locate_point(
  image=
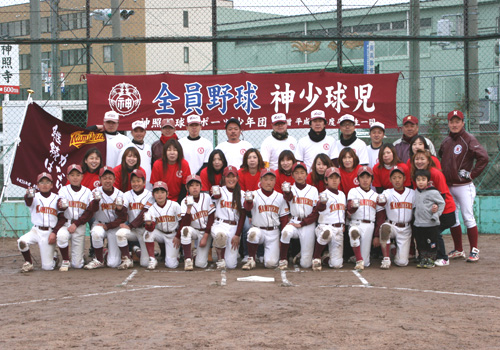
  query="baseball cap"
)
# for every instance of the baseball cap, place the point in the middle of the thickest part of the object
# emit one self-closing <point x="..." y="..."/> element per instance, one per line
<point x="365" y="169"/>
<point x="397" y="168"/>
<point x="111" y="116"/>
<point x="106" y="169"/>
<point x="233" y="120"/>
<point x="266" y="171"/>
<point x="160" y="184"/>
<point x="230" y="170"/>
<point x="347" y="117"/>
<point x="193" y="178"/>
<point x="138" y="124"/>
<point x="410" y="119"/>
<point x="168" y="122"/>
<point x="455" y="113"/>
<point x="377" y="125"/>
<point x="318" y="114"/>
<point x="299" y="164"/>
<point x="278" y="117"/>
<point x="75" y="167"/>
<point x="42" y="175"/>
<point x="193" y="119"/>
<point x="332" y="170"/>
<point x="138" y="173"/>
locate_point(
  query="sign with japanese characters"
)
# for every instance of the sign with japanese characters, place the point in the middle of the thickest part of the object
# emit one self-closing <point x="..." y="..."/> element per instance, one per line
<point x="252" y="98"/>
<point x="9" y="69"/>
<point x="48" y="144"/>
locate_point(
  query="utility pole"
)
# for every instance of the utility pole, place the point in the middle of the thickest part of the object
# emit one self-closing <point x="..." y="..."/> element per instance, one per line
<point x="471" y="78"/>
<point x="54" y="31"/>
<point x="87" y="20"/>
<point x="117" y="33"/>
<point x="340" y="33"/>
<point x="35" y="50"/>
<point x="414" y="97"/>
<point x="214" y="54"/>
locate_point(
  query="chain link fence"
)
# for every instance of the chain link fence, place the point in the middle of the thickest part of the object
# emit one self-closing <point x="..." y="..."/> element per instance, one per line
<point x="446" y="50"/>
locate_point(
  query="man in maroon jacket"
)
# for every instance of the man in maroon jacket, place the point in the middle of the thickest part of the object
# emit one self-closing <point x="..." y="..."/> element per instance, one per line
<point x="458" y="152"/>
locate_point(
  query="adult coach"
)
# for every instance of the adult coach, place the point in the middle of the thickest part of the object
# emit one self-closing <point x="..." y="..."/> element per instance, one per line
<point x="377" y="133"/>
<point x="316" y="141"/>
<point x="167" y="133"/>
<point x="279" y="141"/>
<point x="348" y="138"/>
<point x="410" y="129"/>
<point x="458" y="152"/>
<point x="234" y="148"/>
<point x="196" y="149"/>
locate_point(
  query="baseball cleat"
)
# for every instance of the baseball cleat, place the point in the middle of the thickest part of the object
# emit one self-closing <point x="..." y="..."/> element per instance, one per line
<point x="360" y="265"/>
<point x="27" y="267"/>
<point x="126" y="263"/>
<point x="455" y="254"/>
<point x="473" y="256"/>
<point x="221" y="264"/>
<point x="283" y="264"/>
<point x="64" y="266"/>
<point x="354" y="233"/>
<point x="152" y="264"/>
<point x="250" y="265"/>
<point x="94" y="264"/>
<point x="188" y="264"/>
<point x="386" y="263"/>
<point x="442" y="262"/>
<point x="296" y="259"/>
<point x="316" y="264"/>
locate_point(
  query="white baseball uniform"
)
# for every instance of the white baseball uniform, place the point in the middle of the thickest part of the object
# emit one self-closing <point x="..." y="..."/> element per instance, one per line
<point x="114" y="145"/>
<point x="146" y="156"/>
<point x="234" y="151"/>
<point x="271" y="148"/>
<point x="359" y="146"/>
<point x="307" y="149"/>
<point x="301" y="206"/>
<point x="196" y="152"/>
<point x="399" y="211"/>
<point x="363" y="219"/>
<point x="78" y="203"/>
<point x="200" y="212"/>
<point x="166" y="220"/>
<point x="266" y="214"/>
<point x="43" y="214"/>
<point x="332" y="219"/>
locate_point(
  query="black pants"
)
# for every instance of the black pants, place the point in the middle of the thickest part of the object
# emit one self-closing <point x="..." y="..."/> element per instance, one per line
<point x="427" y="240"/>
<point x="446" y="221"/>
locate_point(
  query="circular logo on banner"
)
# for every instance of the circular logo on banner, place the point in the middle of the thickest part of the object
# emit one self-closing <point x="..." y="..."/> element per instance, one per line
<point x="242" y="151"/>
<point x="457" y="149"/>
<point x="179" y="173"/>
<point x="326" y="146"/>
<point x="292" y="147"/>
<point x="356" y="182"/>
<point x="124" y="99"/>
<point x="119" y="145"/>
<point x="201" y="150"/>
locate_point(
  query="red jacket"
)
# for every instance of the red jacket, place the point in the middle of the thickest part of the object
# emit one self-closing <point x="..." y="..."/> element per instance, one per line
<point x="458" y="151"/>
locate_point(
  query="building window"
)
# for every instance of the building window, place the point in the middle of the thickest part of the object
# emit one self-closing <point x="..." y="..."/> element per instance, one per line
<point x="46" y="58"/>
<point x="74" y="57"/>
<point x="108" y="54"/>
<point x="24" y="62"/>
<point x="399" y="25"/>
<point x="186" y="55"/>
<point x="185" y="19"/>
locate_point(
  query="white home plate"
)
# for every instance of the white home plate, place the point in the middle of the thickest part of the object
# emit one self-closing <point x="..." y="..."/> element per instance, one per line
<point x="255" y="279"/>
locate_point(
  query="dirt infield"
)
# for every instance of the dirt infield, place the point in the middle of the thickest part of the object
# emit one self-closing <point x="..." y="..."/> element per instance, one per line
<point x="455" y="307"/>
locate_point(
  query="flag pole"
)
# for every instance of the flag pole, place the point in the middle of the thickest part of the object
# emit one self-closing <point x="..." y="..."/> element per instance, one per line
<point x="16" y="144"/>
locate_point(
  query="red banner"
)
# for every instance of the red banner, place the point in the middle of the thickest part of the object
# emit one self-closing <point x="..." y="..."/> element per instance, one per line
<point x="48" y="144"/>
<point x="253" y="98"/>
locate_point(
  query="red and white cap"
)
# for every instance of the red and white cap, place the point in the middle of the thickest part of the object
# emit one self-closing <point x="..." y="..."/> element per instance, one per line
<point x="397" y="168"/>
<point x="299" y="164"/>
<point x="365" y="169"/>
<point x="347" y="117"/>
<point x="193" y="178"/>
<point x="318" y="114"/>
<point x="168" y="122"/>
<point x="230" y="170"/>
<point x="74" y="167"/>
<point x="138" y="124"/>
<point x="160" y="184"/>
<point x="111" y="116"/>
<point x="455" y="113"/>
<point x="410" y="119"/>
<point x="43" y="175"/>
<point x="106" y="169"/>
<point x="377" y="125"/>
<point x="193" y="119"/>
<point x="330" y="171"/>
<point x="266" y="171"/>
<point x="138" y="173"/>
<point x="278" y="117"/>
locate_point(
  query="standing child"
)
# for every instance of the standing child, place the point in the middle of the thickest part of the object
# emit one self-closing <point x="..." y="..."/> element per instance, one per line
<point x="197" y="211"/>
<point x="286" y="161"/>
<point x="162" y="221"/>
<point x="302" y="199"/>
<point x="330" y="230"/>
<point x="394" y="215"/>
<point x="426" y="225"/>
<point x="43" y="209"/>
<point x="76" y="214"/>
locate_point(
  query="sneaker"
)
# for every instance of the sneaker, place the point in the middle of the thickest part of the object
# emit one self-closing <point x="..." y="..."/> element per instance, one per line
<point x="64" y="266"/>
<point x="442" y="262"/>
<point x="152" y="264"/>
<point x="283" y="264"/>
<point x="296" y="259"/>
<point x="316" y="264"/>
<point x="221" y="264"/>
<point x="27" y="267"/>
<point x="126" y="263"/>
<point x="420" y="263"/>
<point x="56" y="259"/>
<point x="455" y="254"/>
<point x="324" y="258"/>
<point x="94" y="264"/>
<point x="250" y="264"/>
<point x="188" y="264"/>
<point x="386" y="263"/>
<point x="245" y="259"/>
<point x="261" y="259"/>
<point x="360" y="265"/>
<point x="428" y="263"/>
<point x="136" y="253"/>
<point x="474" y="255"/>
